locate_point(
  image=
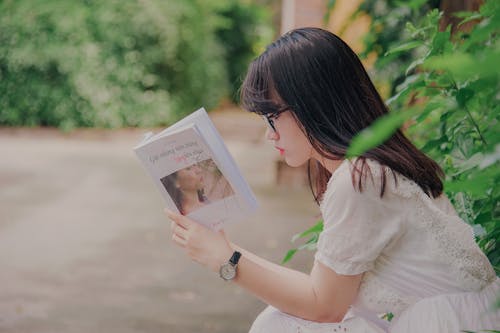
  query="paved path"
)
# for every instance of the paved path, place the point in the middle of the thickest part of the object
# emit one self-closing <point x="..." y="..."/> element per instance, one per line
<point x="84" y="246"/>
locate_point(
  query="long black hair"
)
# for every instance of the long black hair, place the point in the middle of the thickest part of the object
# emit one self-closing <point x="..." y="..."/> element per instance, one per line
<point x="321" y="80"/>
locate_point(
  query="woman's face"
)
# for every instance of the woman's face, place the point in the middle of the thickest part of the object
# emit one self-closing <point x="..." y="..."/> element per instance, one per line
<point x="289" y="139"/>
<point x="190" y="178"/>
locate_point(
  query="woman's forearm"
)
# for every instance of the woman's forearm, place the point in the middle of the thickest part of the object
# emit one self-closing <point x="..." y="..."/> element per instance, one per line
<point x="288" y="290"/>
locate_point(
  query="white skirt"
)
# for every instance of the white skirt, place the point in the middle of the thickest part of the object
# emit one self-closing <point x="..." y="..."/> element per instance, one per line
<point x="468" y="311"/>
<point x="272" y="320"/>
<point x="450" y="313"/>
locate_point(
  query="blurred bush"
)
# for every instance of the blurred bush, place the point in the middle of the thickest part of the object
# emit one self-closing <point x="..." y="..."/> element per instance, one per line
<point x="114" y="63"/>
<point x="244" y="34"/>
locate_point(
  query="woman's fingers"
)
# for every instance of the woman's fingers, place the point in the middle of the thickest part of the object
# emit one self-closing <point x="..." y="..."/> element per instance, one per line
<point x="179" y="227"/>
<point x="200" y="243"/>
<point x="178" y="219"/>
<point x="178" y="234"/>
<point x="179" y="240"/>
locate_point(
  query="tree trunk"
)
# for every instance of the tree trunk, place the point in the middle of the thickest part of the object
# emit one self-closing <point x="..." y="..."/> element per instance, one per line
<point x="450" y="7"/>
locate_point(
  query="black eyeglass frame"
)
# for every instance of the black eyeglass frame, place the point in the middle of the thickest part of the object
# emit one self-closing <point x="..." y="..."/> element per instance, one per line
<point x="270" y="117"/>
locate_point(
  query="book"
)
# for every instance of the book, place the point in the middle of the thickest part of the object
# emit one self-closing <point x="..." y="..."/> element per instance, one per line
<point x="195" y="173"/>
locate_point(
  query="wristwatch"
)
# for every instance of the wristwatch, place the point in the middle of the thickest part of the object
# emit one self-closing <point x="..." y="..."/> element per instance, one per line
<point x="227" y="271"/>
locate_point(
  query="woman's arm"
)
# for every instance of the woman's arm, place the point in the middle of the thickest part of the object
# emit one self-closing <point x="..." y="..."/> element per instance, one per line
<point x="322" y="296"/>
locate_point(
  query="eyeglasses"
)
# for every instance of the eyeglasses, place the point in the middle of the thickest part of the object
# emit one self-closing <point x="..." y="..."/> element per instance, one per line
<point x="270" y="117"/>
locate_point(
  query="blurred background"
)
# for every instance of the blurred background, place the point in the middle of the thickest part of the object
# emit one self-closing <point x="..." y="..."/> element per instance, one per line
<point x="84" y="246"/>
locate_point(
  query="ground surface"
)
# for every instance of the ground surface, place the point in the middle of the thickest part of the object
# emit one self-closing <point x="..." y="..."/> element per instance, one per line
<point x="84" y="245"/>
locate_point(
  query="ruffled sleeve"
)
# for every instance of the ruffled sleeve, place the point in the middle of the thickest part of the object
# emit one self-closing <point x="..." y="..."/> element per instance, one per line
<point x="358" y="226"/>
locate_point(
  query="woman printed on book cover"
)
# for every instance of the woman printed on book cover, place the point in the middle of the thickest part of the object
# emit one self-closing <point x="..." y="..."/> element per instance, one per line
<point x="186" y="188"/>
<point x="216" y="185"/>
<point x="391" y="242"/>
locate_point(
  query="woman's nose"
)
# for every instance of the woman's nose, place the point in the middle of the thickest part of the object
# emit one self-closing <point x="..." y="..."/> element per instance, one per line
<point x="271" y="135"/>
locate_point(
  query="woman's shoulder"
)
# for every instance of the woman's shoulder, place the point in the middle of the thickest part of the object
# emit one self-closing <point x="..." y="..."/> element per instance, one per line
<point x="367" y="179"/>
<point x="359" y="175"/>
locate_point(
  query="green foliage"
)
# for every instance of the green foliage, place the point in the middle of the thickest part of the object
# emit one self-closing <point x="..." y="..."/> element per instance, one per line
<point x="310" y="244"/>
<point x="388" y="316"/>
<point x="449" y="96"/>
<point x="109" y="63"/>
<point x="387" y="31"/>
<point x="244" y="34"/>
<point x="456" y="87"/>
<point x="329" y="7"/>
<point x="378" y="132"/>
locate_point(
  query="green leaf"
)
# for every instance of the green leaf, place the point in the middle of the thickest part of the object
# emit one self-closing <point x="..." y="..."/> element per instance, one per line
<point x="483" y="218"/>
<point x="433" y="144"/>
<point x="413" y="65"/>
<point x="404" y="47"/>
<point x="468" y="16"/>
<point x="441" y="42"/>
<point x="477" y="185"/>
<point x="329" y="8"/>
<point x="331" y="4"/>
<point x="310" y="244"/>
<point x="313" y="231"/>
<point x="463" y="95"/>
<point x="467" y="66"/>
<point x="289" y="255"/>
<point x="381" y="129"/>
<point x="317" y="228"/>
<point x="411" y="83"/>
<point x="388" y="316"/>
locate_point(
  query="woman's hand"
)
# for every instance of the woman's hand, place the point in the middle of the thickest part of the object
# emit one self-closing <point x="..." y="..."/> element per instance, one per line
<point x="205" y="246"/>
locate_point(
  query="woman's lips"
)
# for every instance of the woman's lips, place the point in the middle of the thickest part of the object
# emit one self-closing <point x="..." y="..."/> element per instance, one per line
<point x="281" y="150"/>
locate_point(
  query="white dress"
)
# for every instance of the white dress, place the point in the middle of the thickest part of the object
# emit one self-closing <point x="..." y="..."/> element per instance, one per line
<point x="419" y="259"/>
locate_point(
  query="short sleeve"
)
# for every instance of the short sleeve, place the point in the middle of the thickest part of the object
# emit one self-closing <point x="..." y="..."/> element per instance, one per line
<point x="357" y="225"/>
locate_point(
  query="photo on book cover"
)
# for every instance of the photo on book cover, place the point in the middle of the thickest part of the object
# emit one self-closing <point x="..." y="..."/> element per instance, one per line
<point x="196" y="186"/>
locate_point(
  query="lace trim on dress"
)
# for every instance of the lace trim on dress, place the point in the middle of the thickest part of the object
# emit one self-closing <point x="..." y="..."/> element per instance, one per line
<point x="453" y="239"/>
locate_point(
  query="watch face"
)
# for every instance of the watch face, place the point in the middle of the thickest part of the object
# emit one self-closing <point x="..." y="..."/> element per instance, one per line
<point x="227" y="271"/>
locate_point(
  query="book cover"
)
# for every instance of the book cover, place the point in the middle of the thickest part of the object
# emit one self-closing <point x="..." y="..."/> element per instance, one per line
<point x="195" y="173"/>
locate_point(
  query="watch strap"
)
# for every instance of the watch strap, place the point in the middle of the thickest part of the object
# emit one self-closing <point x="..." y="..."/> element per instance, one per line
<point x="235" y="258"/>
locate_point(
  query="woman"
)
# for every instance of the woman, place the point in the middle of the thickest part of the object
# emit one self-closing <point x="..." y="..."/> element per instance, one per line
<point x="391" y="240"/>
<point x="186" y="188"/>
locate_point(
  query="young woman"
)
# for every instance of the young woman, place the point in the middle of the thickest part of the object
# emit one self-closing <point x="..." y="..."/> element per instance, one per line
<point x="391" y="240"/>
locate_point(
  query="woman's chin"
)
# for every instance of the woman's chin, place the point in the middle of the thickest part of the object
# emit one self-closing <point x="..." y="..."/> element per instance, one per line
<point x="294" y="163"/>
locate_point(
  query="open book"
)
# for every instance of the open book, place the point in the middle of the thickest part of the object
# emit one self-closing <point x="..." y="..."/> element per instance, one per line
<point x="195" y="173"/>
